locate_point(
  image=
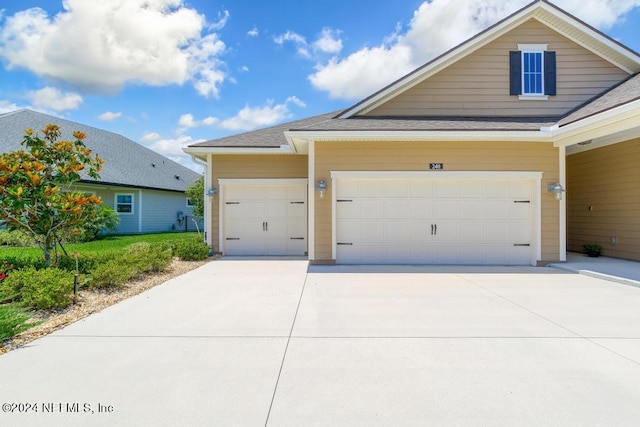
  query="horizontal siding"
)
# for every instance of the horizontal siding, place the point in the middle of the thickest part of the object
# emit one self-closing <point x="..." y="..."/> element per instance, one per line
<point x="606" y="179"/>
<point x="160" y="212"/>
<point x="248" y="167"/>
<point x="456" y="156"/>
<point x="478" y="85"/>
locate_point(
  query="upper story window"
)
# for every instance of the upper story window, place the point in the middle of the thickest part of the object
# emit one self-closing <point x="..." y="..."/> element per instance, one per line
<point x="533" y="72"/>
<point x="124" y="204"/>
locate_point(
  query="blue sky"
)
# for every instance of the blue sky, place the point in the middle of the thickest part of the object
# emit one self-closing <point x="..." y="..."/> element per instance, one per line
<point x="167" y="73"/>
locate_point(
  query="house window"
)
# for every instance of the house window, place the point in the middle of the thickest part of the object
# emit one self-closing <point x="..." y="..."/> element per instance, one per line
<point x="124" y="204"/>
<point x="533" y="72"/>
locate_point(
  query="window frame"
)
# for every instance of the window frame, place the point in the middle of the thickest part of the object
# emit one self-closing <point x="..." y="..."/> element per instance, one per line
<point x="533" y="49"/>
<point x="132" y="204"/>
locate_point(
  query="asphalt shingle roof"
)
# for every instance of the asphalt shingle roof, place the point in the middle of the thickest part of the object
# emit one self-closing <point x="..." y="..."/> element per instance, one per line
<point x="624" y="93"/>
<point x="360" y="123"/>
<point x="126" y="162"/>
<point x="271" y="137"/>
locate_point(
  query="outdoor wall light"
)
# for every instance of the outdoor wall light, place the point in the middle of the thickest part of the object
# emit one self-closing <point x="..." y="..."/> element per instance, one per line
<point x="212" y="191"/>
<point x="321" y="186"/>
<point x="556" y="189"/>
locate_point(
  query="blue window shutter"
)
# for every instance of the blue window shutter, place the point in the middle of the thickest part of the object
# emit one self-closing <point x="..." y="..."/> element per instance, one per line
<point x="515" y="72"/>
<point x="550" y="73"/>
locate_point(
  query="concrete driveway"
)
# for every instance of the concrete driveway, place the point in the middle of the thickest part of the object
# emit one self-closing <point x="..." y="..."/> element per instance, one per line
<point x="253" y="343"/>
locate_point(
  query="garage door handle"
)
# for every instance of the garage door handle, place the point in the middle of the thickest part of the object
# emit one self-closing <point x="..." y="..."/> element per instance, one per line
<point x="297" y="238"/>
<point x="233" y="238"/>
<point x="345" y="244"/>
<point x="344" y="201"/>
<point x="521" y="244"/>
<point x="233" y="203"/>
<point x="435" y="227"/>
<point x="297" y="203"/>
<point x="522" y="201"/>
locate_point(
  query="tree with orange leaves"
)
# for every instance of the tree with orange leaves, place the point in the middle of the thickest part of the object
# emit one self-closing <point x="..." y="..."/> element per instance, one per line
<point x="36" y="187"/>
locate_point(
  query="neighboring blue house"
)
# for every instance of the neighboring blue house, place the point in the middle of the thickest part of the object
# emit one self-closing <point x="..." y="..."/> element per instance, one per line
<point x="144" y="187"/>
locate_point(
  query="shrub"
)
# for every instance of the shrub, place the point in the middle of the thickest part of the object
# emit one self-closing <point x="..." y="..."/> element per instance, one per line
<point x="13" y="320"/>
<point x="111" y="273"/>
<point x="20" y="262"/>
<point x="44" y="289"/>
<point x="15" y="238"/>
<point x="191" y="250"/>
<point x="86" y="262"/>
<point x="146" y="257"/>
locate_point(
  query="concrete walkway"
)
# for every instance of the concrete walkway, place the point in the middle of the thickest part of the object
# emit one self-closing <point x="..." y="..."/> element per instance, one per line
<point x="617" y="270"/>
<point x="255" y="343"/>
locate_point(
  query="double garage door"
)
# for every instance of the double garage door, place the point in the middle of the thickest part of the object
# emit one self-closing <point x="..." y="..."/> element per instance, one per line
<point x="433" y="221"/>
<point x="266" y="217"/>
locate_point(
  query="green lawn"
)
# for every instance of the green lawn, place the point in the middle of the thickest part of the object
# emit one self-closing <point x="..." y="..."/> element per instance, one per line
<point x="105" y="244"/>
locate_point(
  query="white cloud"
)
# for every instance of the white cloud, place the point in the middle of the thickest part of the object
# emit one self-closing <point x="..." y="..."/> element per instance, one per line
<point x="150" y="137"/>
<point x="328" y="41"/>
<point x="101" y="46"/>
<point x="8" y="106"/>
<point x="244" y="69"/>
<point x="435" y="27"/>
<point x="172" y="149"/>
<point x="250" y="118"/>
<point x="209" y="121"/>
<point x="187" y="121"/>
<point x="109" y="116"/>
<point x="299" y="41"/>
<point x="53" y="99"/>
<point x="253" y="32"/>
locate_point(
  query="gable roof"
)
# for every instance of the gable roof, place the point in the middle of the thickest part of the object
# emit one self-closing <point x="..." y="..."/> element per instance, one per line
<point x="127" y="163"/>
<point x="271" y="137"/>
<point x="548" y="14"/>
<point x="351" y="124"/>
<point x="619" y="95"/>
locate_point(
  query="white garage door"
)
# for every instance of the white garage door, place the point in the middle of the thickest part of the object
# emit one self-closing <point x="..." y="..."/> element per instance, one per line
<point x="430" y="221"/>
<point x="265" y="219"/>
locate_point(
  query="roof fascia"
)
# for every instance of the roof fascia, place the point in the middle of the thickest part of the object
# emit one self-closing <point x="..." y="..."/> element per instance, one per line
<point x="420" y="135"/>
<point x="103" y="184"/>
<point x="602" y="125"/>
<point x="201" y="152"/>
<point x="533" y="10"/>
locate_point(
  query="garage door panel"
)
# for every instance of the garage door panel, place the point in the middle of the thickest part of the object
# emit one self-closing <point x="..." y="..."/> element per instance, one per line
<point x="427" y="221"/>
<point x="245" y="193"/>
<point x="262" y="219"/>
<point x="347" y="189"/>
<point x="421" y="189"/>
<point x="370" y="208"/>
<point x="396" y="189"/>
<point x="401" y="231"/>
<point x="446" y="209"/>
<point x="519" y="211"/>
<point x="519" y="190"/>
<point x="471" y="231"/>
<point x="471" y="189"/>
<point x="397" y="208"/>
<point x="369" y="188"/>
<point x="245" y="209"/>
<point x="498" y="209"/>
<point x="470" y="209"/>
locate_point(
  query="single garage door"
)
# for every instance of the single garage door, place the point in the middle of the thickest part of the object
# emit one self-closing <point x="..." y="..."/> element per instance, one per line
<point x="264" y="219"/>
<point x="431" y="221"/>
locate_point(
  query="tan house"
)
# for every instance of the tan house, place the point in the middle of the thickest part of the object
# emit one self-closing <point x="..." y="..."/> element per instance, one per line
<point x="510" y="149"/>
